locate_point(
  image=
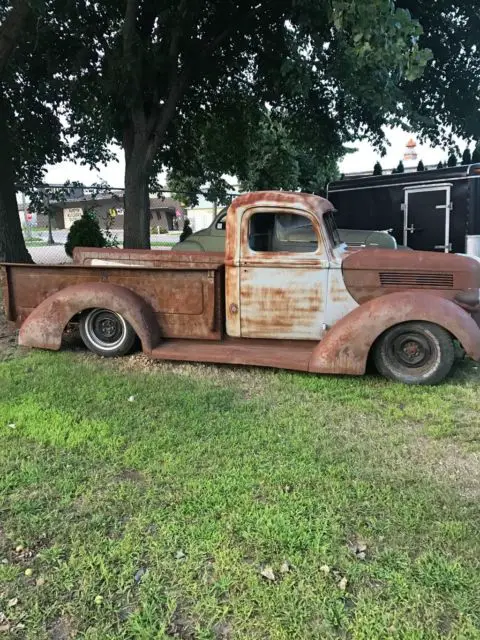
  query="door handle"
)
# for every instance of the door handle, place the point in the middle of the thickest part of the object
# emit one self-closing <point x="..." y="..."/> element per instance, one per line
<point x="411" y="229"/>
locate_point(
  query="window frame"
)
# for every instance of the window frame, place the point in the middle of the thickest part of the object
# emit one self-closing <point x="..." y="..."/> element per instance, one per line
<point x="249" y="255"/>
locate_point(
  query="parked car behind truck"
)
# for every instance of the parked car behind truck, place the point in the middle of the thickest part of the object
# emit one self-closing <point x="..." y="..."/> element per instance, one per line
<point x="308" y="306"/>
<point x="213" y="237"/>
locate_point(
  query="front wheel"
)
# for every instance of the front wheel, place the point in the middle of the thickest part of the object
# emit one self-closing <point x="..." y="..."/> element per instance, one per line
<point x="415" y="353"/>
<point x="106" y="333"/>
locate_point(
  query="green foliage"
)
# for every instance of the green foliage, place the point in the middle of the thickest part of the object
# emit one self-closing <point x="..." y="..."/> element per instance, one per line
<point x="467" y="156"/>
<point x="446" y="98"/>
<point x="452" y="160"/>
<point x="400" y="168"/>
<point x="420" y="166"/>
<point x="184" y="86"/>
<point x="476" y="153"/>
<point x="440" y="165"/>
<point x="377" y="169"/>
<point x="85" y="232"/>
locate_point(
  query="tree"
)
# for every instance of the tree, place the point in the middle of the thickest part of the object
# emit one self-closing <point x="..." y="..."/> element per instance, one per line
<point x="35" y="85"/>
<point x="440" y="165"/>
<point x="12" y="244"/>
<point x="377" y="169"/>
<point x="467" y="156"/>
<point x="158" y="74"/>
<point x="400" y="168"/>
<point x="420" y="166"/>
<point x="452" y="160"/>
<point x="450" y="31"/>
<point x="476" y="153"/>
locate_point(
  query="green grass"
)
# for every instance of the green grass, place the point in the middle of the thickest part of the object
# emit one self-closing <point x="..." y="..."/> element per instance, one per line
<point x="165" y="243"/>
<point x="154" y="518"/>
<point x="35" y="242"/>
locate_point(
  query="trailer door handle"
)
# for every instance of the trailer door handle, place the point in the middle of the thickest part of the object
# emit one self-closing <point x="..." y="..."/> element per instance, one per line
<point x="411" y="229"/>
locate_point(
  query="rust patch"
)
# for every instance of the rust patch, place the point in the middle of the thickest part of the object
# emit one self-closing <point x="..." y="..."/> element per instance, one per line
<point x="370" y="273"/>
<point x="44" y="327"/>
<point x="186" y="302"/>
<point x="282" y="302"/>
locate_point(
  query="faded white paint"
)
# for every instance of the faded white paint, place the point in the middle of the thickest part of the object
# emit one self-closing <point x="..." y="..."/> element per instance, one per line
<point x="339" y="300"/>
<point x="282" y="302"/>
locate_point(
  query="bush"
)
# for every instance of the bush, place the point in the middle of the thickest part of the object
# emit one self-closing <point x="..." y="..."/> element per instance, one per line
<point x="85" y="232"/>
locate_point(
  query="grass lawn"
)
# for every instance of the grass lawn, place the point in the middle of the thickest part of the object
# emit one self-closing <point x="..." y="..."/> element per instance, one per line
<point x="163" y="243"/>
<point x="145" y="501"/>
<point x="35" y="242"/>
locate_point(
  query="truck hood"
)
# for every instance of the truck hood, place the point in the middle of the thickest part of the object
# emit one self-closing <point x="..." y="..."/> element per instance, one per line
<point x="369" y="273"/>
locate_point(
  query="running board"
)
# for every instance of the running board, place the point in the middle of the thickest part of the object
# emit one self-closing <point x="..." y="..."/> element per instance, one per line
<point x="282" y="354"/>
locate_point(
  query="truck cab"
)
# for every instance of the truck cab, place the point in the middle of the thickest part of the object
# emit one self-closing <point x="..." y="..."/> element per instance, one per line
<point x="283" y="269"/>
<point x="286" y="292"/>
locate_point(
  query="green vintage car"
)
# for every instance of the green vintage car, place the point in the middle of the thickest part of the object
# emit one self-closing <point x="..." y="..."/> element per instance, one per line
<point x="287" y="231"/>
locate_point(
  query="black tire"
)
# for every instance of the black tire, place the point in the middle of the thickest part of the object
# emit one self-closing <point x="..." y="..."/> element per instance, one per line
<point x="106" y="333"/>
<point x="415" y="353"/>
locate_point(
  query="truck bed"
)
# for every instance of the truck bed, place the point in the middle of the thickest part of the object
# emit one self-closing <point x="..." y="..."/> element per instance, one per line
<point x="185" y="291"/>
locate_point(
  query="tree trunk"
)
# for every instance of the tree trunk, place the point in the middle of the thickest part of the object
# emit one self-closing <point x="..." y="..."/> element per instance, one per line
<point x="12" y="243"/>
<point x="136" y="226"/>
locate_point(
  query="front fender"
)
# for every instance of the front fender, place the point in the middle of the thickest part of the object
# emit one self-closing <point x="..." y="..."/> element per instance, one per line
<point x="45" y="325"/>
<point x="347" y="344"/>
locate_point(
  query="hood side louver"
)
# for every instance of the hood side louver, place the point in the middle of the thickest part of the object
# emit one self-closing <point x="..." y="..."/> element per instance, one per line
<point x="422" y="279"/>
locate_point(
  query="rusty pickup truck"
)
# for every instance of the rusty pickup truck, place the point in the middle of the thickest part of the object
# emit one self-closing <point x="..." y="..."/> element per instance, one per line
<point x="310" y="305"/>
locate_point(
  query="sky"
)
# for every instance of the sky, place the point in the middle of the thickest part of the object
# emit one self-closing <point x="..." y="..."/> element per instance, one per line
<point x="362" y="159"/>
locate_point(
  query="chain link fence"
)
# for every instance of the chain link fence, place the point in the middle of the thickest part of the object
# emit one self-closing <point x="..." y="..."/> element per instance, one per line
<point x="48" y="215"/>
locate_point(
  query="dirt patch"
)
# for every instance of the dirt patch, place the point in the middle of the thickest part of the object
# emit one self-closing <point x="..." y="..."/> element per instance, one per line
<point x="131" y="475"/>
<point x="8" y="337"/>
<point x="250" y="381"/>
<point x="62" y="629"/>
<point x="448" y="463"/>
<point x="181" y="626"/>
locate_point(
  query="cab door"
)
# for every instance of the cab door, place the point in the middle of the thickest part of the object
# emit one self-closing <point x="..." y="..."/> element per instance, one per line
<point x="283" y="277"/>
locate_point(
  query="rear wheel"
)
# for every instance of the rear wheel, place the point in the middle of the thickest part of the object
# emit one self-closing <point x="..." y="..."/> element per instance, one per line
<point x="106" y="333"/>
<point x="415" y="353"/>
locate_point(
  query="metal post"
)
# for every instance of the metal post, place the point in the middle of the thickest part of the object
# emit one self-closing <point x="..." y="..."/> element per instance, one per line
<point x="26" y="225"/>
<point x="50" y="236"/>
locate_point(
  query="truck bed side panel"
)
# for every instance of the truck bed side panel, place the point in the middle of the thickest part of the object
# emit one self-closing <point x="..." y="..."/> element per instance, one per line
<point x="186" y="302"/>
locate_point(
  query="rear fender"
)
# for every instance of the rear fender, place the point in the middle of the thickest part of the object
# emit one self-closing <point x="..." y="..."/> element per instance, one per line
<point x="45" y="325"/>
<point x="347" y="344"/>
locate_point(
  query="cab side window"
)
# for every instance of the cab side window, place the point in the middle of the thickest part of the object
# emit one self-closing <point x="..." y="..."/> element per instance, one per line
<point x="282" y="232"/>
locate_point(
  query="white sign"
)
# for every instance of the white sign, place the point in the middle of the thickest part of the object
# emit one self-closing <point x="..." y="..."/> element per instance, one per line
<point x="70" y="215"/>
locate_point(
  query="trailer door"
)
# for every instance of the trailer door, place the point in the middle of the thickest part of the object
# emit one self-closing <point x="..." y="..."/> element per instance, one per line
<point x="426" y="220"/>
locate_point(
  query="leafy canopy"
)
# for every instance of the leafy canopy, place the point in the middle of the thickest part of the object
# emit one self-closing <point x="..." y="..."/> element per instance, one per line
<point x="207" y="82"/>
